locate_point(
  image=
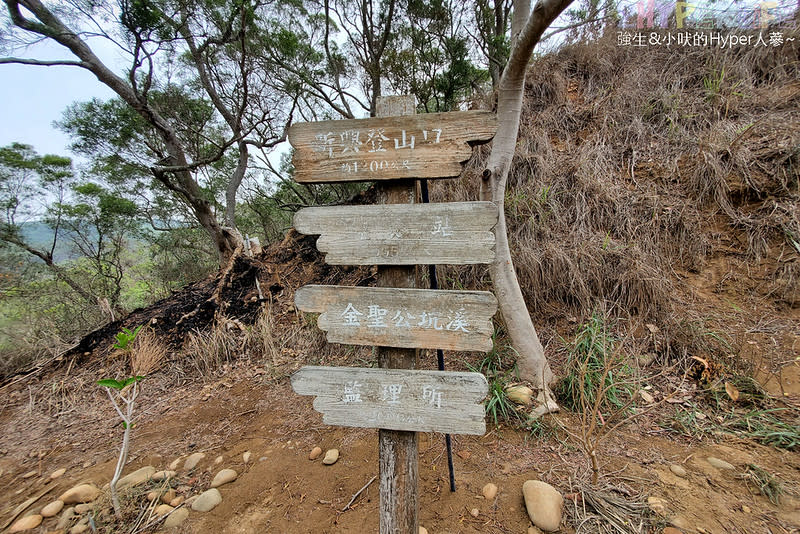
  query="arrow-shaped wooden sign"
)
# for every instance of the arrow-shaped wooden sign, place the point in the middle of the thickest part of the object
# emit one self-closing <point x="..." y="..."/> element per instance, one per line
<point x="396" y="399"/>
<point x="411" y="318"/>
<point x="432" y="145"/>
<point x="454" y="233"/>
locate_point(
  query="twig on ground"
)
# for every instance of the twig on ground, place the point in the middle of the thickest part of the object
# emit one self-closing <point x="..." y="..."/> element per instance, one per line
<point x="359" y="493"/>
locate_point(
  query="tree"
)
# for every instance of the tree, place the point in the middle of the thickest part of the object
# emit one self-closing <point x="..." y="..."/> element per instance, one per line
<point x="207" y="47"/>
<point x="526" y="30"/>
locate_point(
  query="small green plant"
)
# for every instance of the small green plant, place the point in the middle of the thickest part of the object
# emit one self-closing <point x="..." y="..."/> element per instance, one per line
<point x="764" y="427"/>
<point x="498" y="405"/>
<point x="768" y="485"/>
<point x="126" y="337"/>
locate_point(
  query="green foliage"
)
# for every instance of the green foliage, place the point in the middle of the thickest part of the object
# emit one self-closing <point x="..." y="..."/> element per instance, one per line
<point x="119" y="385"/>
<point x="126" y="338"/>
<point x="498" y="365"/>
<point x="594" y="368"/>
<point x="498" y="405"/>
<point x="768" y="484"/>
<point x="765" y="427"/>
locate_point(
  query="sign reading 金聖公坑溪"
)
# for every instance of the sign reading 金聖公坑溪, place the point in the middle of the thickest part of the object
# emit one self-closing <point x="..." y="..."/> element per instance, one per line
<point x="453" y="233"/>
<point x="396" y="399"/>
<point x="431" y="145"/>
<point x="392" y="317"/>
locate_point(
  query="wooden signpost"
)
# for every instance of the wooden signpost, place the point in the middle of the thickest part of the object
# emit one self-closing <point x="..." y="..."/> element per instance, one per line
<point x="401" y="234"/>
<point x="411" y="318"/>
<point x="398" y="319"/>
<point x="387" y="148"/>
<point x="398" y="399"/>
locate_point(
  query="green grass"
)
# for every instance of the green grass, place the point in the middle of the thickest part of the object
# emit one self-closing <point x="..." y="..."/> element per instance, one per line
<point x="764" y="427"/>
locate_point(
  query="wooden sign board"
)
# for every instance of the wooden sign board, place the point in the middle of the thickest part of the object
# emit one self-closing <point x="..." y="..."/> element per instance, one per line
<point x="432" y="145"/>
<point x="410" y="318"/>
<point x="396" y="399"/>
<point x="454" y="233"/>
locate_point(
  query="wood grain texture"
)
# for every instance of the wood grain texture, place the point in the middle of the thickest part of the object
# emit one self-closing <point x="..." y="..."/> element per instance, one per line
<point x="432" y="145"/>
<point x="396" y="399"/>
<point x="412" y="318"/>
<point x="453" y="233"/>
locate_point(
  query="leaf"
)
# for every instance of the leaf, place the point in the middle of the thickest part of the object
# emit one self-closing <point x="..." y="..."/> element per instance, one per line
<point x="128" y="381"/>
<point x="732" y="392"/>
<point x="110" y="383"/>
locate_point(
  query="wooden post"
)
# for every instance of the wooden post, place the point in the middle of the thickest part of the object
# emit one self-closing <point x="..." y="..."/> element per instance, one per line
<point x="398" y="455"/>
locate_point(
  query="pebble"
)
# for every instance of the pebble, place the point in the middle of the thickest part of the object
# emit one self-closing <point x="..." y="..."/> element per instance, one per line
<point x="218" y="460"/>
<point x="80" y="494"/>
<point x="671" y="530"/>
<point x="192" y="461"/>
<point x="81" y="509"/>
<point x="177" y="501"/>
<point x="163" y="475"/>
<point x="66" y="518"/>
<point x="489" y="491"/>
<point x="520" y="395"/>
<point x="246" y="456"/>
<point x="57" y="473"/>
<point x="79" y="529"/>
<point x="152" y="495"/>
<point x="163" y="509"/>
<point x="331" y="456"/>
<point x="745" y="509"/>
<point x="720" y="464"/>
<point x="657" y="505"/>
<point x="174" y="465"/>
<point x="30" y="474"/>
<point x="168" y="497"/>
<point x="223" y="477"/>
<point x="544" y="504"/>
<point x="678" y="470"/>
<point x="26" y="523"/>
<point x="315" y="453"/>
<point x="52" y="509"/>
<point x="140" y="476"/>
<point x="423" y="530"/>
<point x="475" y="512"/>
<point x="176" y="518"/>
<point x="207" y="500"/>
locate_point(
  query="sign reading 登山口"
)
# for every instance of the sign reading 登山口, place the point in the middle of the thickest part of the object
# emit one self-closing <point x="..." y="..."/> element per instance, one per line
<point x="432" y="145"/>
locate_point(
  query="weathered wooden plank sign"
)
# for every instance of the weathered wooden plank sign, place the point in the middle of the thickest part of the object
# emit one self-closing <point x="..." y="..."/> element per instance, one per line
<point x="396" y="399"/>
<point x="411" y="318"/>
<point x="432" y="145"/>
<point x="455" y="233"/>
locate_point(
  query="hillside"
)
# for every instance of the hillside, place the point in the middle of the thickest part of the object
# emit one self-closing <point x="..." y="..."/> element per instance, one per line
<point x="654" y="202"/>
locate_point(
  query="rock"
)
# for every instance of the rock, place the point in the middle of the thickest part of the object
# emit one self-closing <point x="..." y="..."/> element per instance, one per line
<point x="746" y="509"/>
<point x="66" y="518"/>
<point x="168" y="496"/>
<point x="176" y="518"/>
<point x="81" y="509"/>
<point x="79" y="529"/>
<point x="80" y="494"/>
<point x="423" y="530"/>
<point x="30" y="474"/>
<point x="534" y="530"/>
<point x="520" y="395"/>
<point x="140" y="476"/>
<point x="330" y="457"/>
<point x="28" y="522"/>
<point x="489" y="491"/>
<point x="657" y="505"/>
<point x="720" y="464"/>
<point x="223" y="477"/>
<point x="192" y="461"/>
<point x="152" y="495"/>
<point x="246" y="456"/>
<point x="57" y="473"/>
<point x="218" y="460"/>
<point x="52" y="509"/>
<point x="474" y="512"/>
<point x="163" y="509"/>
<point x="207" y="500"/>
<point x="678" y="470"/>
<point x="177" y="501"/>
<point x="315" y="453"/>
<point x="163" y="475"/>
<point x="544" y="504"/>
<point x="671" y="530"/>
<point x="174" y="465"/>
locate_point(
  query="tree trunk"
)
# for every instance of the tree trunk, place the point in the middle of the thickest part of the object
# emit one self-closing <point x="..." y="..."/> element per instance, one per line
<point x="526" y="31"/>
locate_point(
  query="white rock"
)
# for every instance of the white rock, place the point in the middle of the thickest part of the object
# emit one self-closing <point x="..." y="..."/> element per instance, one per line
<point x="423" y="530"/>
<point x="246" y="456"/>
<point x="79" y="529"/>
<point x="218" y="460"/>
<point x="175" y="463"/>
<point x="678" y="470"/>
<point x="80" y="494"/>
<point x="544" y="504"/>
<point x="474" y="512"/>
<point x="140" y="476"/>
<point x="720" y="464"/>
<point x="163" y="475"/>
<point x="192" y="461"/>
<point x="223" y="477"/>
<point x="28" y="522"/>
<point x="489" y="491"/>
<point x="57" y="473"/>
<point x="331" y="456"/>
<point x="81" y="509"/>
<point x="520" y="395"/>
<point x="176" y="518"/>
<point x="52" y="509"/>
<point x="207" y="500"/>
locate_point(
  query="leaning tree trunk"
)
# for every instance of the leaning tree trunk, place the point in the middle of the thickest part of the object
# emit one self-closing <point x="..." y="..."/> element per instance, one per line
<point x="526" y="32"/>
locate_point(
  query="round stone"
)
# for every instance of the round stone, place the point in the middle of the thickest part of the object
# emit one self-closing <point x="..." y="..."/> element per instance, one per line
<point x="176" y="518"/>
<point x="29" y="522"/>
<point x="489" y="491"/>
<point x="206" y="501"/>
<point x="52" y="509"/>
<point x="678" y="470"/>
<point x="315" y="453"/>
<point x="80" y="494"/>
<point x="331" y="457"/>
<point x="57" y="473"/>
<point x="223" y="477"/>
<point x="192" y="461"/>
<point x="720" y="464"/>
<point x="544" y="504"/>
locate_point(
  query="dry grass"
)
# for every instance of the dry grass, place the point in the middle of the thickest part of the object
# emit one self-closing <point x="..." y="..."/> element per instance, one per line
<point x="148" y="352"/>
